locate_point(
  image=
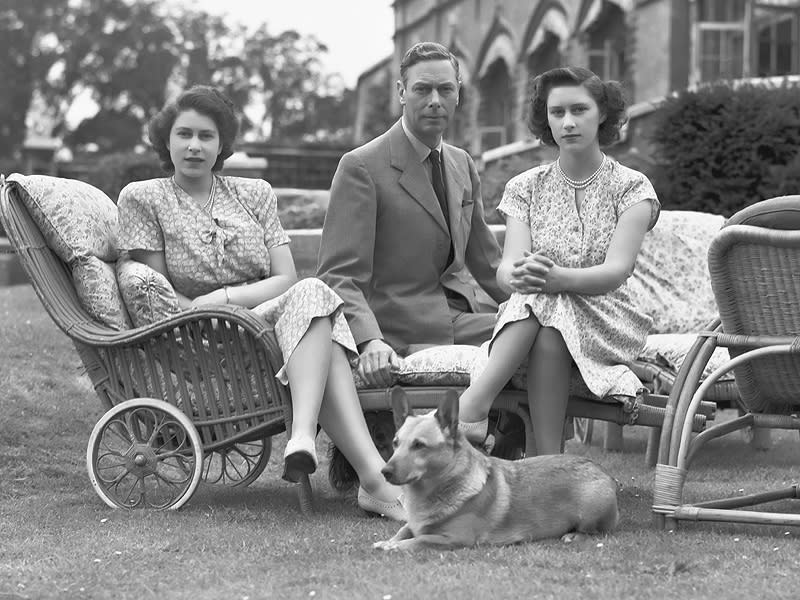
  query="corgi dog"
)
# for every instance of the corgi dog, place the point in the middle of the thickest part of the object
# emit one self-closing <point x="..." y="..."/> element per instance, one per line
<point x="456" y="496"/>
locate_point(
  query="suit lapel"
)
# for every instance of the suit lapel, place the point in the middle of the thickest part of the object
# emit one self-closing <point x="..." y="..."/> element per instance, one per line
<point x="413" y="178"/>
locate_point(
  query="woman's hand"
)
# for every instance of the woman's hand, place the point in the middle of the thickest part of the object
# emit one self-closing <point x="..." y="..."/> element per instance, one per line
<point x="219" y="296"/>
<point x="535" y="274"/>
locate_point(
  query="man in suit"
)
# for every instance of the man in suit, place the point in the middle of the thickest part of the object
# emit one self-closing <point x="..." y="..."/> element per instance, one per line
<point x="405" y="217"/>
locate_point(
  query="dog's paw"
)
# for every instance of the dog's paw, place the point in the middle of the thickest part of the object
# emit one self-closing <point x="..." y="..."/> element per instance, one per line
<point x="574" y="536"/>
<point x="385" y="545"/>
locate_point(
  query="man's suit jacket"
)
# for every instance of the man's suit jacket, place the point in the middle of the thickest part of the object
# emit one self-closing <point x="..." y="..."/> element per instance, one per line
<point x="385" y="244"/>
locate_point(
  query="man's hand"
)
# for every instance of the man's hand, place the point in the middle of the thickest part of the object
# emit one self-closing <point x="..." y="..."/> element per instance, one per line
<point x="375" y="363"/>
<point x="535" y="274"/>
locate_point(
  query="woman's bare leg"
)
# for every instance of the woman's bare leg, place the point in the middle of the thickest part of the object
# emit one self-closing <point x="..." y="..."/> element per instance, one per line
<point x="549" y="370"/>
<point x="508" y="352"/>
<point x="307" y="372"/>
<point x="343" y="420"/>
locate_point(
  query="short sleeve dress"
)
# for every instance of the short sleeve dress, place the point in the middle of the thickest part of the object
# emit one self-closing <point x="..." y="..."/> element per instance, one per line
<point x="226" y="243"/>
<point x="604" y="333"/>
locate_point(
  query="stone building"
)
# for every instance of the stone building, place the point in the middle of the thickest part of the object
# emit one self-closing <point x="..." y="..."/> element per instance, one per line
<point x="652" y="46"/>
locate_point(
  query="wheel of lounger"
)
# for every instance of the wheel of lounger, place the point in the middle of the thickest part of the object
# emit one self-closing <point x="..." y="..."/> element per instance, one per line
<point x="144" y="453"/>
<point x="237" y="465"/>
<point x="584" y="429"/>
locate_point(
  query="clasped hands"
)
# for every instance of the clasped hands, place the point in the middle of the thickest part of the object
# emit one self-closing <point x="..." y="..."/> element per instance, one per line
<point x="535" y="274"/>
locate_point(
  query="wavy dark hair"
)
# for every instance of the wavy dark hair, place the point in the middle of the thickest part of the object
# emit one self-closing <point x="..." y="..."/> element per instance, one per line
<point x="607" y="94"/>
<point x="206" y="100"/>
<point x="422" y="51"/>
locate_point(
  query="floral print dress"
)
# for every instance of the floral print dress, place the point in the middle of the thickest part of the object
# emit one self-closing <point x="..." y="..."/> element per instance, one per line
<point x="226" y="243"/>
<point x="603" y="333"/>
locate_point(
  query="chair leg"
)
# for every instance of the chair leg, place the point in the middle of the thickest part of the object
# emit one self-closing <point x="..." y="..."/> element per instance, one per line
<point x="613" y="437"/>
<point x="653" y="440"/>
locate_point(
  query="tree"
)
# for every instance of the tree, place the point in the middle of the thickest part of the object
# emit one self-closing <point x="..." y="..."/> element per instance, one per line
<point x="285" y="75"/>
<point x="128" y="56"/>
<point x="29" y="50"/>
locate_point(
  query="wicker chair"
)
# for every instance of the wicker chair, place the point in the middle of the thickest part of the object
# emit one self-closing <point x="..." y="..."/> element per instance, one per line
<point x="190" y="398"/>
<point x="753" y="263"/>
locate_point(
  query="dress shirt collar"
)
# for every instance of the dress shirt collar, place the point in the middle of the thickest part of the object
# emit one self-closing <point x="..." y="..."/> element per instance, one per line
<point x="419" y="146"/>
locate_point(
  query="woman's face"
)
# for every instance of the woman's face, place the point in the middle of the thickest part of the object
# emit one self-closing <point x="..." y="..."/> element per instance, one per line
<point x="194" y="144"/>
<point x="574" y="117"/>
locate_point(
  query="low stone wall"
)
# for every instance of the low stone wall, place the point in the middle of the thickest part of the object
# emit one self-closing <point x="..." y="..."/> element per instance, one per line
<point x="304" y="244"/>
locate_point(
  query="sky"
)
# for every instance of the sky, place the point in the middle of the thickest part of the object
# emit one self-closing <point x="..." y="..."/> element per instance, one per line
<point x="358" y="33"/>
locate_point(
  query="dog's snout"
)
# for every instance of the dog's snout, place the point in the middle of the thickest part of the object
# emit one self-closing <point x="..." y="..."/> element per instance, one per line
<point x="388" y="472"/>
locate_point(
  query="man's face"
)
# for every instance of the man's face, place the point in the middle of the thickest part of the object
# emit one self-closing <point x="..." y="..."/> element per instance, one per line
<point x="429" y="98"/>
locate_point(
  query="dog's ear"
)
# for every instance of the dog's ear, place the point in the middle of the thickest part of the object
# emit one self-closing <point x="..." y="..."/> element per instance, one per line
<point x="447" y="413"/>
<point x="400" y="407"/>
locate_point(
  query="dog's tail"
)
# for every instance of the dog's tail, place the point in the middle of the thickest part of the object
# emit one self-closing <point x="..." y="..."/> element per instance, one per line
<point x="341" y="474"/>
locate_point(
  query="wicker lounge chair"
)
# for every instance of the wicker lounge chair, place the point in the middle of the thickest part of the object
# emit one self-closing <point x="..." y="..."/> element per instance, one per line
<point x="190" y="398"/>
<point x="753" y="263"/>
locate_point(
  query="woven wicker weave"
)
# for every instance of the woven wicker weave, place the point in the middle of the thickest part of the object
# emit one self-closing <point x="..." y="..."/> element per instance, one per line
<point x="754" y="277"/>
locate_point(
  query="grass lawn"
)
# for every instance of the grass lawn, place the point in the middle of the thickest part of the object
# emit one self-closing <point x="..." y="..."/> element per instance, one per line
<point x="59" y="540"/>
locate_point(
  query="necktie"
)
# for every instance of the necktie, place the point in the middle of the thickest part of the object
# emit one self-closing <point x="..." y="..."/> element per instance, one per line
<point x="438" y="184"/>
<point x="441" y="193"/>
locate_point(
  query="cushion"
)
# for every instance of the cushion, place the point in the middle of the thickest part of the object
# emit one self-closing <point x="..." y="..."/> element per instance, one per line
<point x="76" y="219"/>
<point x="435" y="365"/>
<point x="147" y="294"/>
<point x="670" y="350"/>
<point x="439" y="365"/>
<point x="671" y="281"/>
<point x="96" y="286"/>
<point x="79" y="224"/>
<point x="782" y="212"/>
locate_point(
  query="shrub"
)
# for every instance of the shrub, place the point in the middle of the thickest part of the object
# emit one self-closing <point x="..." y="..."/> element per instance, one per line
<point x="496" y="175"/>
<point x="114" y="171"/>
<point x="721" y="148"/>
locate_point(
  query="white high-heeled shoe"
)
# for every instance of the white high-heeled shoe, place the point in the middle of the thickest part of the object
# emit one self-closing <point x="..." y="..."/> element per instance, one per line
<point x="299" y="458"/>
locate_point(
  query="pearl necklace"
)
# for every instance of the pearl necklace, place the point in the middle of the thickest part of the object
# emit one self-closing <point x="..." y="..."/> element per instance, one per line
<point x="580" y="185"/>
<point x="209" y="204"/>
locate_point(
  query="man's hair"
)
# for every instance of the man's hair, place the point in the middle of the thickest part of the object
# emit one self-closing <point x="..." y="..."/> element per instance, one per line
<point x="427" y="51"/>
<point x="607" y="94"/>
<point x="207" y="101"/>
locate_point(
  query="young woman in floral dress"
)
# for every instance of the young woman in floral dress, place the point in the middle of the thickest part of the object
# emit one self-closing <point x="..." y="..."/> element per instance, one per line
<point x="218" y="240"/>
<point x="573" y="230"/>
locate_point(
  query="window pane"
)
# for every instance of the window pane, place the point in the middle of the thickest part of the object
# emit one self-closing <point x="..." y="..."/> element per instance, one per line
<point x="785" y="48"/>
<point x="721" y="54"/>
<point x="726" y="11"/>
<point x="597" y="65"/>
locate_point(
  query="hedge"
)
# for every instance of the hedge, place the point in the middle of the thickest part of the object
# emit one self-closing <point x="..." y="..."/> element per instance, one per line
<point x="721" y="148"/>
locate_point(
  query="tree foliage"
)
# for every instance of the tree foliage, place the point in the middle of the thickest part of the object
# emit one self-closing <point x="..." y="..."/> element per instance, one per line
<point x="129" y="56"/>
<point x="29" y="51"/>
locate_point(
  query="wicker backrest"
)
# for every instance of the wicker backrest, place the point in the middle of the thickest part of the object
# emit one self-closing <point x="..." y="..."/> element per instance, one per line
<point x="218" y="368"/>
<point x="755" y="275"/>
